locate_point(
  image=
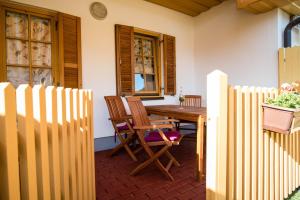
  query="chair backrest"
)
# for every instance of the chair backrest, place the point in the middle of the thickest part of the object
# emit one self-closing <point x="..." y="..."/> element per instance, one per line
<point x="115" y="107"/>
<point x="192" y="100"/>
<point x="138" y="111"/>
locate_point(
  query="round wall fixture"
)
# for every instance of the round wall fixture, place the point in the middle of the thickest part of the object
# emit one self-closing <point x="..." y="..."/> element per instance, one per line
<point x="98" y="10"/>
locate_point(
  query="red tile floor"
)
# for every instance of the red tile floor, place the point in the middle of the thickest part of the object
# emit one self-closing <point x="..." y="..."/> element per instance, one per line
<point x="114" y="182"/>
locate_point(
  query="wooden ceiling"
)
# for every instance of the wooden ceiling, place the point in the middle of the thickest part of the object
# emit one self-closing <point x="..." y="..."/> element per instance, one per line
<point x="189" y="7"/>
<point x="262" y="6"/>
<point x="195" y="7"/>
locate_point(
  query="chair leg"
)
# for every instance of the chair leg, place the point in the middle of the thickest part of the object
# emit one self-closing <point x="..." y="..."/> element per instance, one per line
<point x="171" y="157"/>
<point x="124" y="143"/>
<point x="149" y="161"/>
<point x="164" y="170"/>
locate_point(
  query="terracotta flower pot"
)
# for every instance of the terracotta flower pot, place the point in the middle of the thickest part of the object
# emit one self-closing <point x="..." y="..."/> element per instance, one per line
<point x="281" y="120"/>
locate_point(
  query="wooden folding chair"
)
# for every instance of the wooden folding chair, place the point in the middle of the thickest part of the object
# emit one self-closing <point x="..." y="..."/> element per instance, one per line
<point x="189" y="101"/>
<point x="122" y="125"/>
<point x="152" y="135"/>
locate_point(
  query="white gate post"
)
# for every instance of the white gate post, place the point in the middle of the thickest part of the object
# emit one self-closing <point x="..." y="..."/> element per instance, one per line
<point x="216" y="152"/>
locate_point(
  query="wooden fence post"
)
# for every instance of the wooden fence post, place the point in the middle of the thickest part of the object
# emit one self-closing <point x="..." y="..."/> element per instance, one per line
<point x="26" y="138"/>
<point x="54" y="160"/>
<point x="41" y="135"/>
<point x="9" y="165"/>
<point x="216" y="170"/>
<point x="63" y="142"/>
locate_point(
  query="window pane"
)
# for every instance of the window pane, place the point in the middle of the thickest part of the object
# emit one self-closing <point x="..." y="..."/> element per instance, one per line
<point x="147" y="47"/>
<point x="148" y="63"/>
<point x="17" y="52"/>
<point x="138" y="64"/>
<point x="40" y="29"/>
<point x="150" y="83"/>
<point x="42" y="76"/>
<point x="139" y="82"/>
<point x="41" y="54"/>
<point x="18" y="75"/>
<point x="16" y="25"/>
<point x="137" y="46"/>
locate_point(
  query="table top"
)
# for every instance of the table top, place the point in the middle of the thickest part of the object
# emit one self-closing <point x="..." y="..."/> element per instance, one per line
<point x="187" y="113"/>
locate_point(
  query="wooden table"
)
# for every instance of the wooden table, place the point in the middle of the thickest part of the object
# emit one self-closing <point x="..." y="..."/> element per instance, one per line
<point x="192" y="114"/>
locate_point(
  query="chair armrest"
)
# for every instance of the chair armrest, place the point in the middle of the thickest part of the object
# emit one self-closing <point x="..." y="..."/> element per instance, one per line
<point x="121" y="119"/>
<point x="164" y="120"/>
<point x="154" y="126"/>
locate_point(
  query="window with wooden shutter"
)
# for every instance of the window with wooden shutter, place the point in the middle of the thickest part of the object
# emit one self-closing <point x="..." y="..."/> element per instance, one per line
<point x="70" y="51"/>
<point x="138" y="61"/>
<point x="28" y="45"/>
<point x="124" y="60"/>
<point x="169" y="65"/>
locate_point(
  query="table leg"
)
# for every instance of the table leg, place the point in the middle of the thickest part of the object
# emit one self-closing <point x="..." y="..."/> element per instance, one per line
<point x="199" y="149"/>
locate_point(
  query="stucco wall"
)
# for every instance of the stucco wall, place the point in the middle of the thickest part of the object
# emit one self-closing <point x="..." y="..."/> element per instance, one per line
<point x="98" y="45"/>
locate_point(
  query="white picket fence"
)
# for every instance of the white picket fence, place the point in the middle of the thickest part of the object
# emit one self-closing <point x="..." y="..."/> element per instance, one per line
<point x="46" y="143"/>
<point x="244" y="161"/>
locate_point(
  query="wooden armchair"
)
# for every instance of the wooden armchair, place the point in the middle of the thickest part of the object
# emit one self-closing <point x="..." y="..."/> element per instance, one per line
<point x="122" y="125"/>
<point x="151" y="134"/>
<point x="189" y="101"/>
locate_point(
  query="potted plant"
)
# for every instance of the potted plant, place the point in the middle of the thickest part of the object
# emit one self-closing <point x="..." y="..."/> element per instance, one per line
<point x="282" y="114"/>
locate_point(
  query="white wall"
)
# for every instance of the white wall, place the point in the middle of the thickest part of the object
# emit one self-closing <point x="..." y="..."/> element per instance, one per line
<point x="98" y="52"/>
<point x="239" y="43"/>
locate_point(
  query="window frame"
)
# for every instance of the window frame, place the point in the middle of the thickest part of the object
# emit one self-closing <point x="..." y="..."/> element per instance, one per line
<point x="156" y="37"/>
<point x="30" y="11"/>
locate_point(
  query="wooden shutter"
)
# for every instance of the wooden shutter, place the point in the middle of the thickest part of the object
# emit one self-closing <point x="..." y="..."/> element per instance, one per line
<point x="69" y="30"/>
<point x="169" y="65"/>
<point x="124" y="60"/>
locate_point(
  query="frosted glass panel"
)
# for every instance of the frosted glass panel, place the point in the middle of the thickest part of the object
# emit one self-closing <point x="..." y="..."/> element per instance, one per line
<point x="147" y="47"/>
<point x="16" y="25"/>
<point x="17" y="52"/>
<point x="41" y="54"/>
<point x="41" y="76"/>
<point x="148" y="63"/>
<point x="138" y="65"/>
<point x="40" y="29"/>
<point x="150" y="82"/>
<point x="18" y="75"/>
<point x="137" y="46"/>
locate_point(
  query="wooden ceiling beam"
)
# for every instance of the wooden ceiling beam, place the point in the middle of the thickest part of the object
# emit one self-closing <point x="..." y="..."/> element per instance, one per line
<point x="189" y="7"/>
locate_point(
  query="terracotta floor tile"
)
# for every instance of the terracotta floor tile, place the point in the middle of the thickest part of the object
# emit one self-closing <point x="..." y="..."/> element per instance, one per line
<point x="113" y="181"/>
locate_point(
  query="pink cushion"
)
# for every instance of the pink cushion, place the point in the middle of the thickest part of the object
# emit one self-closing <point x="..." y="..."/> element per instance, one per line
<point x="155" y="136"/>
<point x="123" y="127"/>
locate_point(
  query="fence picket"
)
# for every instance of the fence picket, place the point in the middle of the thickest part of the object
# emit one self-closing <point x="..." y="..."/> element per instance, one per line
<point x="254" y="143"/>
<point x="239" y="142"/>
<point x="71" y="140"/>
<point x="9" y="164"/>
<point x="281" y="178"/>
<point x="54" y="159"/>
<point x="26" y="138"/>
<point x="260" y="148"/>
<point x="46" y="143"/>
<point x="63" y="141"/>
<point x="277" y="167"/>
<point x="41" y="135"/>
<point x="91" y="125"/>
<point x="247" y="143"/>
<point x="231" y="144"/>
<point x="82" y="101"/>
<point x="78" y="142"/>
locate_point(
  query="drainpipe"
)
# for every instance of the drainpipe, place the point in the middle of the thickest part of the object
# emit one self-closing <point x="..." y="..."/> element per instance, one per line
<point x="288" y="32"/>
